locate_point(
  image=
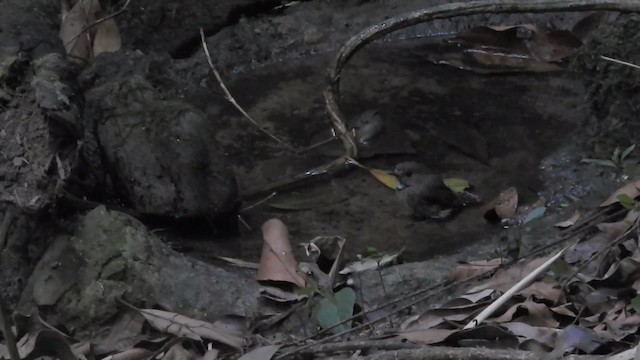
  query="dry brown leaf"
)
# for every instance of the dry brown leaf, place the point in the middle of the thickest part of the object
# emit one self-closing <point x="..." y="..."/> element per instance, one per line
<point x="529" y="312"/>
<point x="178" y="352"/>
<point x="516" y="48"/>
<point x="524" y="331"/>
<point x="542" y="289"/>
<point x="180" y="325"/>
<point x="81" y="15"/>
<point x="469" y="269"/>
<point x="261" y="353"/>
<point x="277" y="262"/>
<point x="618" y="228"/>
<point x="45" y="343"/>
<point x="211" y="354"/>
<point x="123" y="331"/>
<point x="132" y="354"/>
<point x="631" y="189"/>
<point x="427" y="336"/>
<point x="504" y="279"/>
<point x="507" y="203"/>
<point x="107" y="37"/>
<point x="569" y="222"/>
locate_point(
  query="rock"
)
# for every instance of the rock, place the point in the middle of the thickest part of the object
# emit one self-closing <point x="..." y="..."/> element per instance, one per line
<point x="161" y="155"/>
<point x="111" y="255"/>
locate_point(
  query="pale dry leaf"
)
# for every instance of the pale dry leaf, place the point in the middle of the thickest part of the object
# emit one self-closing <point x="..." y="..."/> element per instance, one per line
<point x="631" y="189"/>
<point x="132" y="354"/>
<point x="277" y="262"/>
<point x="180" y="325"/>
<point x="616" y="229"/>
<point x="211" y="354"/>
<point x="469" y="269"/>
<point x="261" y="353"/>
<point x="178" y="352"/>
<point x="569" y="222"/>
<point x="82" y="14"/>
<point x="107" y="37"/>
<point x="507" y="203"/>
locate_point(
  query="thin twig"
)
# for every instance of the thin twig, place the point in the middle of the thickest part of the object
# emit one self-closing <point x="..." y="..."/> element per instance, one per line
<point x="259" y="202"/>
<point x="620" y="62"/>
<point x="111" y="16"/>
<point x="231" y="99"/>
<point x="489" y="310"/>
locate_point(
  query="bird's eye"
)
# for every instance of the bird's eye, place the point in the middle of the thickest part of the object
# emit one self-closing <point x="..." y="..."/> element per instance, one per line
<point x="407" y="174"/>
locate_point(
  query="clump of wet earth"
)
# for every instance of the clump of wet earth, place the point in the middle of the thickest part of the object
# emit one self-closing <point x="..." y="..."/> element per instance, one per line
<point x="104" y="161"/>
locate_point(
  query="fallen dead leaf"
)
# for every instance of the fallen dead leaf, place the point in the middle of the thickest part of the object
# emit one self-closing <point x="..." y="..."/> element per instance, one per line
<point x="514" y="48"/>
<point x="469" y="269"/>
<point x="631" y="189"/>
<point x="504" y="279"/>
<point x="261" y="353"/>
<point x="178" y="352"/>
<point x="107" y="37"/>
<point x="277" y="262"/>
<point x="530" y="312"/>
<point x="77" y="43"/>
<point x="569" y="222"/>
<point x="132" y="354"/>
<point x="180" y="325"/>
<point x="616" y="229"/>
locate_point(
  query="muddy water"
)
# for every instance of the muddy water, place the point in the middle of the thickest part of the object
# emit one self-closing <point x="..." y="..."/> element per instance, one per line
<point x="523" y="117"/>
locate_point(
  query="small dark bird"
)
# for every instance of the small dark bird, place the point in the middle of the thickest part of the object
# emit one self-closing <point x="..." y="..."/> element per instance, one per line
<point x="424" y="193"/>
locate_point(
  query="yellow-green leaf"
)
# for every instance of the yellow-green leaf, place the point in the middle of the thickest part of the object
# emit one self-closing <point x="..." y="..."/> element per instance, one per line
<point x="385" y="177"/>
<point x="456" y="185"/>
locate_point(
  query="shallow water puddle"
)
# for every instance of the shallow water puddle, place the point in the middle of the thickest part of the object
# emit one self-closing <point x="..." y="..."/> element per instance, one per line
<point x="522" y="118"/>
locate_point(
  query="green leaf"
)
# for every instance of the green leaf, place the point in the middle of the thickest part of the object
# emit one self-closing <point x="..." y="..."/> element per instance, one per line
<point x="456" y="185"/>
<point x="307" y="291"/>
<point x="635" y="303"/>
<point x="627" y="151"/>
<point x="330" y="312"/>
<point x="631" y="169"/>
<point x="601" y="162"/>
<point x="616" y="155"/>
<point x="626" y="201"/>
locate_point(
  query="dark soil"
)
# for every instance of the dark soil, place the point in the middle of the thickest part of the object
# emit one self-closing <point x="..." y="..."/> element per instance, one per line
<point x="158" y="89"/>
